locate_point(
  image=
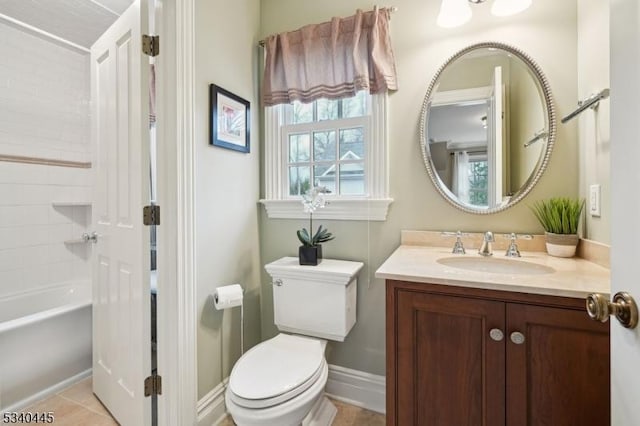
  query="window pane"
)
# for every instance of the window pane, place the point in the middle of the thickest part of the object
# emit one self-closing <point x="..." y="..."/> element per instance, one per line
<point x="299" y="148"/>
<point x="327" y="110"/>
<point x="352" y="144"/>
<point x="478" y="183"/>
<point x="325" y="175"/>
<point x="299" y="180"/>
<point x="352" y="179"/>
<point x="324" y="146"/>
<point x="301" y="113"/>
<point x="356" y="106"/>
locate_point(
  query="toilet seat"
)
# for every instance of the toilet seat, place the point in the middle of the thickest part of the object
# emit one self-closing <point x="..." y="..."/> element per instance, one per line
<point x="276" y="371"/>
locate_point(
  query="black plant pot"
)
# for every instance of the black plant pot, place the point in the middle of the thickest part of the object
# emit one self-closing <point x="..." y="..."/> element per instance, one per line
<point x="310" y="255"/>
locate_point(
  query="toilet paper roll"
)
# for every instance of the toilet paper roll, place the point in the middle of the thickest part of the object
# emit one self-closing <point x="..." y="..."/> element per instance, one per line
<point x="228" y="296"/>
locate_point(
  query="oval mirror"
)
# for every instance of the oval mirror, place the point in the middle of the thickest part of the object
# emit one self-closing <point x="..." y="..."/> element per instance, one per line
<point x="487" y="127"/>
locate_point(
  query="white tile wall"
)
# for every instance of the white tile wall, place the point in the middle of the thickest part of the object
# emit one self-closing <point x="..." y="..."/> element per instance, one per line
<point x="44" y="112"/>
<point x="44" y="97"/>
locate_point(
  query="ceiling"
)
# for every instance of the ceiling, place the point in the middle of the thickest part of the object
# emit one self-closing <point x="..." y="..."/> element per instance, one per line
<point x="458" y="123"/>
<point x="78" y="21"/>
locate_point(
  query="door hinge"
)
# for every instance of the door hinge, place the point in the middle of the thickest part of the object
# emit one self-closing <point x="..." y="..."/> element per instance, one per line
<point x="153" y="385"/>
<point x="150" y="45"/>
<point x="151" y="215"/>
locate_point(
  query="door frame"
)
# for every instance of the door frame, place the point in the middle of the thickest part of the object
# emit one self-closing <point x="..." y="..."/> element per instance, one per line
<point x="177" y="309"/>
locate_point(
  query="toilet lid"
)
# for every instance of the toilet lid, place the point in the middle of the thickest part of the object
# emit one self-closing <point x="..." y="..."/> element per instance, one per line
<point x="276" y="366"/>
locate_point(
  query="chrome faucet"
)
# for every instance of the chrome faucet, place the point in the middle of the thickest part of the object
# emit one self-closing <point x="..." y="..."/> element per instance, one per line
<point x="485" y="248"/>
<point x="458" y="247"/>
<point x="512" y="250"/>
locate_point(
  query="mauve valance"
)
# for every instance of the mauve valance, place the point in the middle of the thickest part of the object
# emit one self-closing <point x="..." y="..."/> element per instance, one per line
<point x="331" y="60"/>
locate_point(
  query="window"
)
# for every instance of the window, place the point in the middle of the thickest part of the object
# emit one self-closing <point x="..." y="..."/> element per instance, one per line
<point x="478" y="180"/>
<point x="325" y="141"/>
<point x="339" y="144"/>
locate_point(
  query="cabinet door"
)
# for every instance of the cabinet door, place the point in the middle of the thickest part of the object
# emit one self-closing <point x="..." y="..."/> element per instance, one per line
<point x="559" y="375"/>
<point x="448" y="370"/>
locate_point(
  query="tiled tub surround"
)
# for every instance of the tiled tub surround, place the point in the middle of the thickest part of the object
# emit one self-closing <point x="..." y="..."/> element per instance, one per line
<point x="44" y="97"/>
<point x="35" y="229"/>
<point x="416" y="260"/>
<point x="44" y="113"/>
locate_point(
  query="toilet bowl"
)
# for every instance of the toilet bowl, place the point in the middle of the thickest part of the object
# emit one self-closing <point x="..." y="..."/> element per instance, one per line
<point x="281" y="382"/>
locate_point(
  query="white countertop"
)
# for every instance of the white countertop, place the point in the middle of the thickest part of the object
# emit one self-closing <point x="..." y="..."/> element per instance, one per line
<point x="573" y="277"/>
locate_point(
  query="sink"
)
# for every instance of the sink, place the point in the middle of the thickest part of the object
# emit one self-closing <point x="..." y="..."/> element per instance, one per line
<point x="496" y="265"/>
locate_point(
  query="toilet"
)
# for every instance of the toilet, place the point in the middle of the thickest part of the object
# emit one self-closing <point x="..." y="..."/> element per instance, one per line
<point x="281" y="381"/>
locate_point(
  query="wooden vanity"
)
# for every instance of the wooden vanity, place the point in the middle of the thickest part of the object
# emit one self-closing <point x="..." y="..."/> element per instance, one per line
<point x="476" y="348"/>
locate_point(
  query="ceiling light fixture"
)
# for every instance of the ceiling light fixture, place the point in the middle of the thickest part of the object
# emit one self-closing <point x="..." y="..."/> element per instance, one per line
<point x="509" y="7"/>
<point x="454" y="13"/>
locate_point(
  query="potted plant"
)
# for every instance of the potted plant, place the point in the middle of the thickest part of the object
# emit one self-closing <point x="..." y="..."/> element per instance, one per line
<point x="559" y="218"/>
<point x="310" y="252"/>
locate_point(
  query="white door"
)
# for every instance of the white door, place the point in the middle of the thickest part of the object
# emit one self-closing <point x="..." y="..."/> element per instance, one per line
<point x="121" y="308"/>
<point x="625" y="199"/>
<point x="495" y="146"/>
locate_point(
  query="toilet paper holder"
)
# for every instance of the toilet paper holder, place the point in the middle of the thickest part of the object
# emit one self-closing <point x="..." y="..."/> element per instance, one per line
<point x="231" y="296"/>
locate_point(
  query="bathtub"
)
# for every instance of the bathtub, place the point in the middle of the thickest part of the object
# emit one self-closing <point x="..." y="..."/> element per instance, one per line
<point x="45" y="342"/>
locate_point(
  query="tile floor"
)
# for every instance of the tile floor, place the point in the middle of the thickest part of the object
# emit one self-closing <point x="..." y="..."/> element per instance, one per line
<point x="348" y="415"/>
<point x="78" y="406"/>
<point x="75" y="406"/>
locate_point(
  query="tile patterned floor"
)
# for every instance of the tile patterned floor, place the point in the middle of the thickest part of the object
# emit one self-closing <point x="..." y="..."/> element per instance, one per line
<point x="78" y="406"/>
<point x="348" y="415"/>
<point x="75" y="406"/>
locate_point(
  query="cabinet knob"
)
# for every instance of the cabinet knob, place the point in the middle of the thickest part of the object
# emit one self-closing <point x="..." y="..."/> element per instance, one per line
<point x="517" y="337"/>
<point x="496" y="334"/>
<point x="623" y="307"/>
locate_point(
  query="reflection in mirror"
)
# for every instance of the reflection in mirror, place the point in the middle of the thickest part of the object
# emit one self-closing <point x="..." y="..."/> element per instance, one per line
<point x="487" y="127"/>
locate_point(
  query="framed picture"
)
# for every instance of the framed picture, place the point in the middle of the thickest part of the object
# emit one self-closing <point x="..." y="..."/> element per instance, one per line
<point x="229" y="115"/>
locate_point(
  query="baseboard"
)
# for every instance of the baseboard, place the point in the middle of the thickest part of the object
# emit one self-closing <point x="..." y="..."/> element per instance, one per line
<point x="344" y="384"/>
<point x="357" y="388"/>
<point x="211" y="408"/>
<point x="43" y="394"/>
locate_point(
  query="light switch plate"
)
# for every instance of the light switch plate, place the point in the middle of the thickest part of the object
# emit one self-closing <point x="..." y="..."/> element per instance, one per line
<point x="594" y="200"/>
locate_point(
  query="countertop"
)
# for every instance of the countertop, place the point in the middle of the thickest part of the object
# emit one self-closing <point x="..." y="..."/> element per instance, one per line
<point x="573" y="277"/>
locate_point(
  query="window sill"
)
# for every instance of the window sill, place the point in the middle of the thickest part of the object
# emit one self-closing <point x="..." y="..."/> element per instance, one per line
<point x="339" y="209"/>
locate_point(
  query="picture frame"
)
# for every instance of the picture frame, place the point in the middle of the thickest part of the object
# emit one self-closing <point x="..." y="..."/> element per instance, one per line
<point x="229" y="120"/>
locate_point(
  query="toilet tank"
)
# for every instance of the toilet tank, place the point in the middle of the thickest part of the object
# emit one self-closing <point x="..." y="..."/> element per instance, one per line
<point x="317" y="301"/>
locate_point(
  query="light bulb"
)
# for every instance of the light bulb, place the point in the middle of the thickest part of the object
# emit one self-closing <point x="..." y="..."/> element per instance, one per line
<point x="509" y="7"/>
<point x="453" y="13"/>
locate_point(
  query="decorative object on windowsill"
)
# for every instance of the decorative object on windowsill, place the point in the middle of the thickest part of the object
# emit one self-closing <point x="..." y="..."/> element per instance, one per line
<point x="310" y="252"/>
<point x="559" y="218"/>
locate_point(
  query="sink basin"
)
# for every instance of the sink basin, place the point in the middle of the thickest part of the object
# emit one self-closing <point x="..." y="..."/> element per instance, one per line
<point x="496" y="265"/>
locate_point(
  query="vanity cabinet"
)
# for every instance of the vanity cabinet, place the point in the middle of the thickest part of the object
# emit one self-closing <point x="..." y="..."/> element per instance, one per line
<point x="462" y="356"/>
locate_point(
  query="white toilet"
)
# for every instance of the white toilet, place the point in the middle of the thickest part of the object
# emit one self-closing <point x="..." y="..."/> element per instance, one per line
<point x="281" y="381"/>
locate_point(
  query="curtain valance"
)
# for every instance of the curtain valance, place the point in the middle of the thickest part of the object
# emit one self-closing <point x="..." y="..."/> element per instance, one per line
<point x="331" y="60"/>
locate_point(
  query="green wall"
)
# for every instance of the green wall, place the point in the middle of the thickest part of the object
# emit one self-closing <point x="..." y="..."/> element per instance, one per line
<point x="227" y="186"/>
<point x="547" y="32"/>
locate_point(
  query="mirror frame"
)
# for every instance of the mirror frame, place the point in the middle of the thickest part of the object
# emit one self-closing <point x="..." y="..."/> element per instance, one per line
<point x="542" y="162"/>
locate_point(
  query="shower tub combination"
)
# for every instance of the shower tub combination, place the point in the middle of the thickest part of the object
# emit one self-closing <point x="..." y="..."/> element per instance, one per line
<point x="45" y="342"/>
